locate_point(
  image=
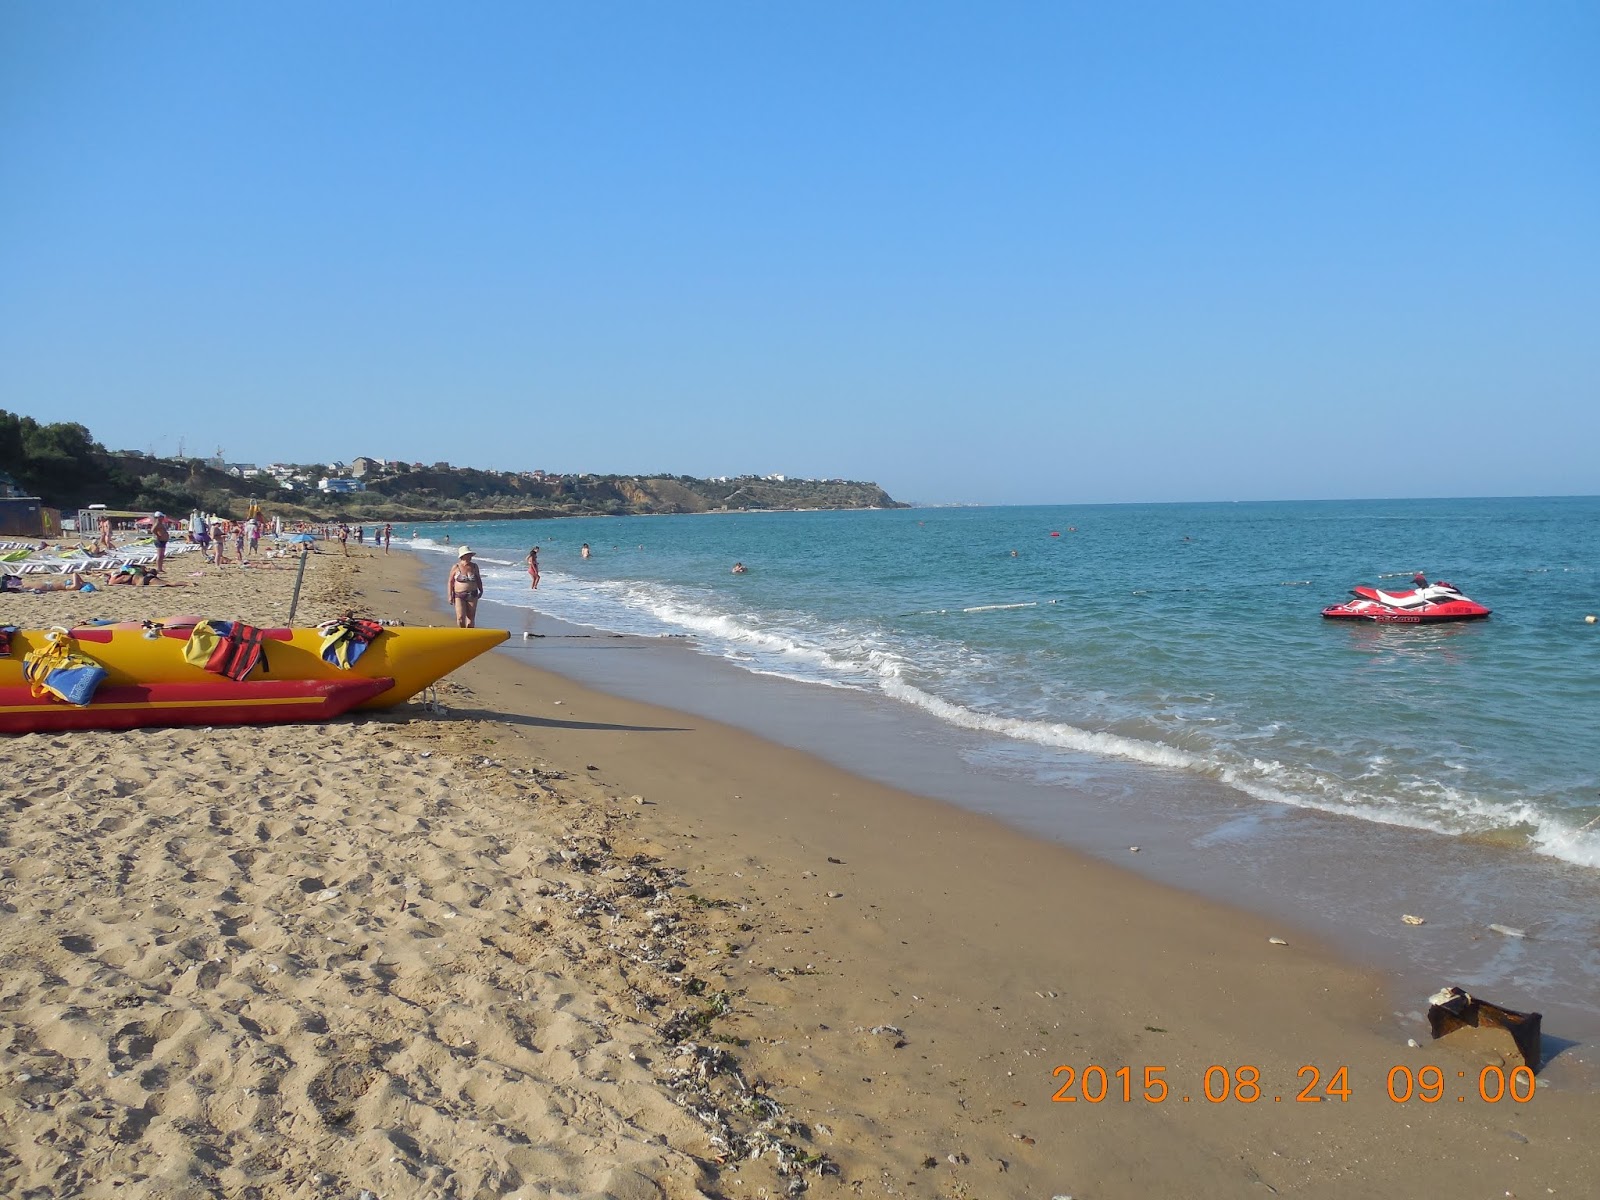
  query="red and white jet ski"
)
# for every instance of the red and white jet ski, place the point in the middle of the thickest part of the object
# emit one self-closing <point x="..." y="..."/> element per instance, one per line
<point x="1432" y="602"/>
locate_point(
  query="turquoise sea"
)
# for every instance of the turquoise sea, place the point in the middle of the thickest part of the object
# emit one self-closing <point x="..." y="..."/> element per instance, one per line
<point x="1185" y="637"/>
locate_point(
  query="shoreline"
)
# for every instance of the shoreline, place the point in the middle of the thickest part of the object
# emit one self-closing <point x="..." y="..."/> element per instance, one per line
<point x="901" y="976"/>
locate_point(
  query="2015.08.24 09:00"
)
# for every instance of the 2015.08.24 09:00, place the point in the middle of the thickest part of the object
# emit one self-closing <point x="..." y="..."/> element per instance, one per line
<point x="1218" y="1084"/>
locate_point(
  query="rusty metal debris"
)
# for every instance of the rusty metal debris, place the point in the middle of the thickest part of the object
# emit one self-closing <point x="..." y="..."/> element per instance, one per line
<point x="1452" y="1009"/>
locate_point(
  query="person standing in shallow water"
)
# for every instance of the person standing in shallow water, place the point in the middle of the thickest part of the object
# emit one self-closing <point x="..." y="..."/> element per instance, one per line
<point x="533" y="568"/>
<point x="585" y="550"/>
<point x="464" y="587"/>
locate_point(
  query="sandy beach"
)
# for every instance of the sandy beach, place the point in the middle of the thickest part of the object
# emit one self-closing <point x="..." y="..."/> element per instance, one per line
<point x="539" y="941"/>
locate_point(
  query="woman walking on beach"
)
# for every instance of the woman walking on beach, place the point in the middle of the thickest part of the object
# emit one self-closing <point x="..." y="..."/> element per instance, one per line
<point x="464" y="587"/>
<point x="533" y="567"/>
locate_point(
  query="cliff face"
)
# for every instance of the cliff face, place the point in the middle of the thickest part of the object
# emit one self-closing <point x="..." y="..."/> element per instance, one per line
<point x="660" y="495"/>
<point x="683" y="494"/>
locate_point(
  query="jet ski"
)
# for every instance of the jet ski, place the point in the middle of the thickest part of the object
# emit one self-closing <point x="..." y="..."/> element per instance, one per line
<point x="1429" y="603"/>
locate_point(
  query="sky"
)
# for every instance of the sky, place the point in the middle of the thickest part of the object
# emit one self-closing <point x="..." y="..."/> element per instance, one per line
<point x="982" y="252"/>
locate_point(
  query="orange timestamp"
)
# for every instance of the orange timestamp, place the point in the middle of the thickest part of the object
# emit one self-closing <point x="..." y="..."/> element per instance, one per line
<point x="1093" y="1084"/>
<point x="1218" y="1084"/>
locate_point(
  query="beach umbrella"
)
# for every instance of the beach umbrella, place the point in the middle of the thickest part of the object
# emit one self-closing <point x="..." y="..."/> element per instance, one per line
<point x="305" y="538"/>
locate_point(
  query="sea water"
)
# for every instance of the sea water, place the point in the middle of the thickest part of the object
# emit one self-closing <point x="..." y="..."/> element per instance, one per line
<point x="1185" y="636"/>
<point x="1162" y="674"/>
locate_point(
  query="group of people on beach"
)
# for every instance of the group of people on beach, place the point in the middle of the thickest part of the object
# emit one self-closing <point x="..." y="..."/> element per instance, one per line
<point x="131" y="575"/>
<point x="381" y="536"/>
<point x="211" y="534"/>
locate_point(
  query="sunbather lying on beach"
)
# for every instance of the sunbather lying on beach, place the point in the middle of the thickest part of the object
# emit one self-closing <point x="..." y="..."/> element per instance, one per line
<point x="72" y="583"/>
<point x="135" y="575"/>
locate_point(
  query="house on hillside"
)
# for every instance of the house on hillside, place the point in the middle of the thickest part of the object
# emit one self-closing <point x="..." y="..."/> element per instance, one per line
<point x="363" y="466"/>
<point x="342" y="486"/>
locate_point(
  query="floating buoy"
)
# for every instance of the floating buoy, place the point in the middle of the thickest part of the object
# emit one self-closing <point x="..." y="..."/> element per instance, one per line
<point x="1591" y="619"/>
<point x="1055" y="533"/>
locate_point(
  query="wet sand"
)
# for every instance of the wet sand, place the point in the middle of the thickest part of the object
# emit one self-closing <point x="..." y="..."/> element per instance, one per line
<point x="549" y="942"/>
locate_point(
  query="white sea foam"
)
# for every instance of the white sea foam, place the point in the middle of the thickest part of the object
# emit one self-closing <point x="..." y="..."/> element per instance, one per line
<point x="425" y="545"/>
<point x="1042" y="733"/>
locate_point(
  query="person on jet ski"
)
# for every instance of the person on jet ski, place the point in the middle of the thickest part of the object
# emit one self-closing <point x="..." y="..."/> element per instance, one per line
<point x="1419" y="581"/>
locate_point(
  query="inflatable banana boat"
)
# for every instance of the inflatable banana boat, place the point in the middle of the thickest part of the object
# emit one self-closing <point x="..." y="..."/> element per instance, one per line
<point x="216" y="673"/>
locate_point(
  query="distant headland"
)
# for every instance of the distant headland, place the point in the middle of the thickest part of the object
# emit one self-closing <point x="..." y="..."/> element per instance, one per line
<point x="66" y="468"/>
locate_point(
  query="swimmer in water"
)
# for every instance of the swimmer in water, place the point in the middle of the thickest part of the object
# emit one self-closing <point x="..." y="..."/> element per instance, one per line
<point x="738" y="568"/>
<point x="585" y="550"/>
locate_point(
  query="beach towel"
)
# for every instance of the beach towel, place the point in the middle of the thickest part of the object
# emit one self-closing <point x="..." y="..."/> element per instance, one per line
<point x="345" y="639"/>
<point x="56" y="670"/>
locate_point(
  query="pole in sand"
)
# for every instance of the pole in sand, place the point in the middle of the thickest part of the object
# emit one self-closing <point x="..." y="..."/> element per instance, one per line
<point x="294" y="601"/>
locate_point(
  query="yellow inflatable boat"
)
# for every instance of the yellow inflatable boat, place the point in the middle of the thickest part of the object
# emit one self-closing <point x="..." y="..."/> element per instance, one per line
<point x="412" y="656"/>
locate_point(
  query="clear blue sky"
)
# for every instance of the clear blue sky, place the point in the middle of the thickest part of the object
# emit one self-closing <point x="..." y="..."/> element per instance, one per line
<point x="995" y="252"/>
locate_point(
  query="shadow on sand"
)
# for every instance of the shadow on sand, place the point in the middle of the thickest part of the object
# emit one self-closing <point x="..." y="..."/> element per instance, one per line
<point x="489" y="714"/>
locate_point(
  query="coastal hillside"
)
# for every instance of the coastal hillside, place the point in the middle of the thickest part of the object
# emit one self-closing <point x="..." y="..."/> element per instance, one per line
<point x="65" y="466"/>
<point x="464" y="491"/>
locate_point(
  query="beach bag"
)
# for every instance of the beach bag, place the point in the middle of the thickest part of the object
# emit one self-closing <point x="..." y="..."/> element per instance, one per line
<point x="55" y="670"/>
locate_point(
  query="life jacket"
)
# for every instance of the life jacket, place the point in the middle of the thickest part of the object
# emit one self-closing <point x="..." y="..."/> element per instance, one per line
<point x="229" y="648"/>
<point x="345" y="639"/>
<point x="56" y="670"/>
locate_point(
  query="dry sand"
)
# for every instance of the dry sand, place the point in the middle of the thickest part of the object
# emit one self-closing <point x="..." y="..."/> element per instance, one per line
<point x="547" y="942"/>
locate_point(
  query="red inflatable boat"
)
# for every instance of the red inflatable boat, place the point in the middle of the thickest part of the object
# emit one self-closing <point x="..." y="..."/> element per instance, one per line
<point x="224" y="702"/>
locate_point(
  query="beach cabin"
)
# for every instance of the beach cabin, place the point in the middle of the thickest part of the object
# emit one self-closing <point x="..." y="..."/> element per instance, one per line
<point x="27" y="516"/>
